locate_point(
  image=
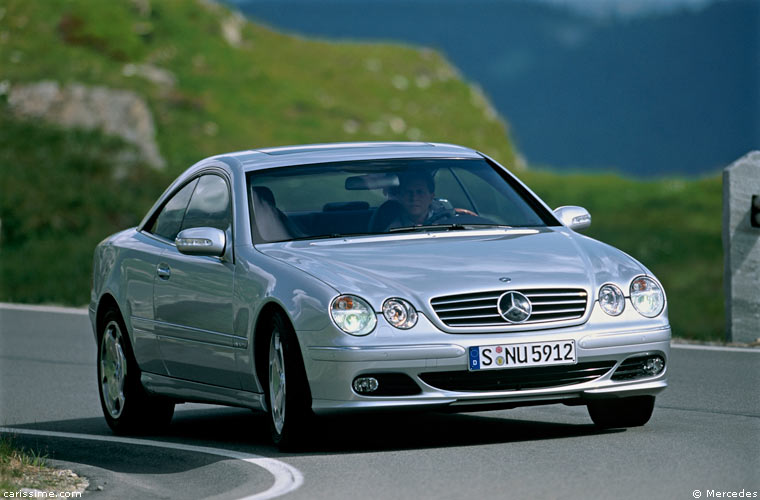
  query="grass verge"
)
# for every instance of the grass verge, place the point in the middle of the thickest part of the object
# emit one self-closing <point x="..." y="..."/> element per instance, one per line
<point x="22" y="470"/>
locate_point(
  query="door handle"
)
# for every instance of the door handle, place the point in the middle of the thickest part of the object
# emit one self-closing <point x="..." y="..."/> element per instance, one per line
<point x="163" y="271"/>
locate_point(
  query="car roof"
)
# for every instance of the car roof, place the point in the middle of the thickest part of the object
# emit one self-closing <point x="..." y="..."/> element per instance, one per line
<point x="257" y="159"/>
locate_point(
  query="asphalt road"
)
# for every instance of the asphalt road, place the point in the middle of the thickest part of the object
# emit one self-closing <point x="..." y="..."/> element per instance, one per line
<point x="704" y="435"/>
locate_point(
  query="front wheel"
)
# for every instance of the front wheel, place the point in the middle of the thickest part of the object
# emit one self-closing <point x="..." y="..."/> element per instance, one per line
<point x="127" y="407"/>
<point x="624" y="412"/>
<point x="288" y="395"/>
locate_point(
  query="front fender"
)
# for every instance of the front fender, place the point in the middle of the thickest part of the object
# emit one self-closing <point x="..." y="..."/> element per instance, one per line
<point x="261" y="282"/>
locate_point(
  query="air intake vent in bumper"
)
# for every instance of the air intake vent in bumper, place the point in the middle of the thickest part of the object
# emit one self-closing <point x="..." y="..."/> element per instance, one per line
<point x="517" y="379"/>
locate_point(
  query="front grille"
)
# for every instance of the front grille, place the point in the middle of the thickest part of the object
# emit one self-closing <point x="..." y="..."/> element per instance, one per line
<point x="517" y="379"/>
<point x="480" y="309"/>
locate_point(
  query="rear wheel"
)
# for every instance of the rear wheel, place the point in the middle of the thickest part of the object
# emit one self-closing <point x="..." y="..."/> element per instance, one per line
<point x="127" y="407"/>
<point x="624" y="412"/>
<point x="287" y="394"/>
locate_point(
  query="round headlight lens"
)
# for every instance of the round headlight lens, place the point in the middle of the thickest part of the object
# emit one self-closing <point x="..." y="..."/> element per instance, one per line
<point x="400" y="313"/>
<point x="353" y="315"/>
<point x="647" y="297"/>
<point x="612" y="300"/>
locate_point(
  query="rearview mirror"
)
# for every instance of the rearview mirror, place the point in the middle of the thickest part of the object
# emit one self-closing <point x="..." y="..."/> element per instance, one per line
<point x="371" y="181"/>
<point x="207" y="241"/>
<point x="576" y="218"/>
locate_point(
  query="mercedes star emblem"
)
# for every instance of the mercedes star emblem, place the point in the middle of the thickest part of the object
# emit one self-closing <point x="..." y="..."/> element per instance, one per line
<point x="514" y="307"/>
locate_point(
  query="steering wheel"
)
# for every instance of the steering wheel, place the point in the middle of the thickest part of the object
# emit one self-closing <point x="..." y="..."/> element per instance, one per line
<point x="465" y="212"/>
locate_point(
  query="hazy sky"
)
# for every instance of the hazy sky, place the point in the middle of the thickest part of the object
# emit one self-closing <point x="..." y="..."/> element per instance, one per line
<point x="627" y="8"/>
<point x="595" y="8"/>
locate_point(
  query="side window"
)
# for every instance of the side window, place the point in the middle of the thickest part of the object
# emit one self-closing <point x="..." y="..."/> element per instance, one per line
<point x="210" y="205"/>
<point x="169" y="220"/>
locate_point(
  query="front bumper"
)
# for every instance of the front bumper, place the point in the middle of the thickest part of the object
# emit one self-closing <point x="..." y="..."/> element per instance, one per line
<point x="332" y="369"/>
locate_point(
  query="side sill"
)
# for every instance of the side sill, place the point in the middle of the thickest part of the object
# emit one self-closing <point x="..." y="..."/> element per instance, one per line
<point x="185" y="390"/>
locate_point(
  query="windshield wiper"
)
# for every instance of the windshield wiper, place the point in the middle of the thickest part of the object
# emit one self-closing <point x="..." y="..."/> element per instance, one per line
<point x="328" y="236"/>
<point x="431" y="227"/>
<point x="443" y="227"/>
<point x="478" y="226"/>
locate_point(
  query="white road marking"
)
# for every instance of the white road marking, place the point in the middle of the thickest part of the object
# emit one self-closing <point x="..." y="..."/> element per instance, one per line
<point x="48" y="309"/>
<point x="286" y="477"/>
<point x="699" y="347"/>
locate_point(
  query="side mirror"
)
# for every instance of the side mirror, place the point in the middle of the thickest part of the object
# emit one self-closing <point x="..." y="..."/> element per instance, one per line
<point x="576" y="218"/>
<point x="207" y="241"/>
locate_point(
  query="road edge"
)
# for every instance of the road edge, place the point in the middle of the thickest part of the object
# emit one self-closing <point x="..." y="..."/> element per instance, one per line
<point x="286" y="477"/>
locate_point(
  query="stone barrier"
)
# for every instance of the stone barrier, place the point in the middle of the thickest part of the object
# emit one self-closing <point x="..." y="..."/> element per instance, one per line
<point x="741" y="248"/>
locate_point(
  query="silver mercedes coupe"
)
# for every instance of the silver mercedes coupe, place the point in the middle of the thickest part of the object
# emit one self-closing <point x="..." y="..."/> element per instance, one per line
<point x="330" y="278"/>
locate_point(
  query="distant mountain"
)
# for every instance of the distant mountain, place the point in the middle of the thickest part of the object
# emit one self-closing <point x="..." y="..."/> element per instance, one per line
<point x="676" y="91"/>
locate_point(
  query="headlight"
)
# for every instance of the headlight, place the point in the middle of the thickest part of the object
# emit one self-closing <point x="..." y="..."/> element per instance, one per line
<point x="611" y="299"/>
<point x="647" y="297"/>
<point x="353" y="315"/>
<point x="400" y="313"/>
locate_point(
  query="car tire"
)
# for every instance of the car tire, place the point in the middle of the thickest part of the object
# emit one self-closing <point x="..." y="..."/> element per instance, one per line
<point x="287" y="391"/>
<point x="127" y="406"/>
<point x="624" y="412"/>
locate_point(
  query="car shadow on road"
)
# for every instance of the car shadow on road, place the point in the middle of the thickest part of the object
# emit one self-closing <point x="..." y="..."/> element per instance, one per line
<point x="396" y="432"/>
<point x="246" y="431"/>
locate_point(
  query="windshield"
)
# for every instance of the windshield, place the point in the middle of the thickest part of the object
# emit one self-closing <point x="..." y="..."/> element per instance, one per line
<point x="387" y="196"/>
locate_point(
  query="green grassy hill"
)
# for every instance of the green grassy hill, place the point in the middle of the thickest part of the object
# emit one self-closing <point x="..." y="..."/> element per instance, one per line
<point x="215" y="83"/>
<point x="267" y="89"/>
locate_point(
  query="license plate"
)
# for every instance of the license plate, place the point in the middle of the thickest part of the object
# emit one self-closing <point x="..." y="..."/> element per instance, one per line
<point x="491" y="357"/>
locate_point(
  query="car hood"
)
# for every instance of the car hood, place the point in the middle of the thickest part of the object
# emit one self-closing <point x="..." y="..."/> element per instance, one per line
<point x="420" y="266"/>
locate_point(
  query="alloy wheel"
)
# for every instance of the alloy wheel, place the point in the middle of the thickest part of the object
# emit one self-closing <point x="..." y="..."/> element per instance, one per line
<point x="113" y="369"/>
<point x="277" y="381"/>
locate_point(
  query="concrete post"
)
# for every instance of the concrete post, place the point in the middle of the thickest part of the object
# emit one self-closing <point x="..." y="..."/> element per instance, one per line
<point x="741" y="248"/>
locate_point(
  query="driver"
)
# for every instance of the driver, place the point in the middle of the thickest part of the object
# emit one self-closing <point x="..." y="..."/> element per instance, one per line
<point x="416" y="195"/>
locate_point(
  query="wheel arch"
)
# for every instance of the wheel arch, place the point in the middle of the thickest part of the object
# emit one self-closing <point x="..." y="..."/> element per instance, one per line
<point x="261" y="338"/>
<point x="107" y="303"/>
<point x="261" y="344"/>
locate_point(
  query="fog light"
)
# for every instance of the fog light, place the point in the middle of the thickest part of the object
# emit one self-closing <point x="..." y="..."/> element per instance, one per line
<point x="653" y="365"/>
<point x="365" y="385"/>
<point x="647" y="365"/>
